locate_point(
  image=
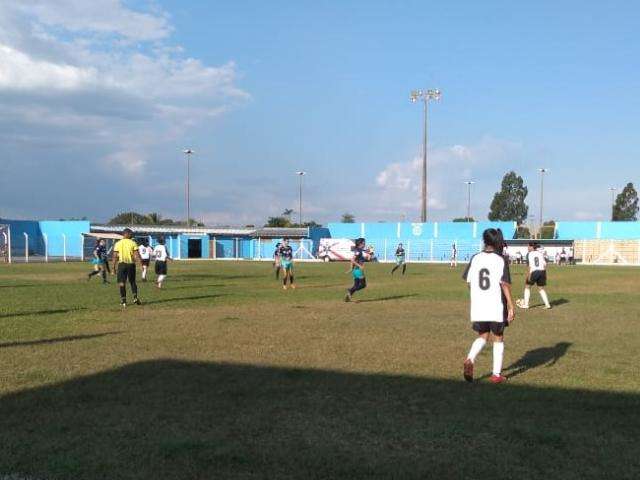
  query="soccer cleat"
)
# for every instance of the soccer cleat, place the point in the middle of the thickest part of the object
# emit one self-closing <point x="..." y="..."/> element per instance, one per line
<point x="547" y="307"/>
<point x="468" y="370"/>
<point x="284" y="287"/>
<point x="137" y="301"/>
<point x="293" y="286"/>
<point x="347" y="297"/>
<point x="497" y="379"/>
<point x="123" y="304"/>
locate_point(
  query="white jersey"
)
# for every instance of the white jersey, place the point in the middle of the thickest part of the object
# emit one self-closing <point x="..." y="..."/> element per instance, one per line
<point x="536" y="261"/>
<point x="485" y="274"/>
<point x="145" y="252"/>
<point x="160" y="253"/>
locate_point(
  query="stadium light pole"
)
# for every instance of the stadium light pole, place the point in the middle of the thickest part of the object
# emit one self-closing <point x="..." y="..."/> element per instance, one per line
<point x="300" y="175"/>
<point x="542" y="172"/>
<point x="613" y="199"/>
<point x="469" y="183"/>
<point x="425" y="96"/>
<point x="188" y="152"/>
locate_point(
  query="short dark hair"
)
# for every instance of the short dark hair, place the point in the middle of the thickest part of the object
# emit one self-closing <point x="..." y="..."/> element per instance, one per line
<point x="161" y="240"/>
<point x="127" y="231"/>
<point x="534" y="245"/>
<point x="359" y="240"/>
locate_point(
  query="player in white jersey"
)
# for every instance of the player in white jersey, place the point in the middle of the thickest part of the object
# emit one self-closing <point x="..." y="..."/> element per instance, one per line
<point x="492" y="310"/>
<point x="145" y="251"/>
<point x="162" y="256"/>
<point x="537" y="276"/>
<point x="454" y="255"/>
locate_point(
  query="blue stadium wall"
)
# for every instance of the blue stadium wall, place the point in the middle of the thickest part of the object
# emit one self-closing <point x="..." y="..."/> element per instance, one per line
<point x="54" y="231"/>
<point x="405" y="231"/>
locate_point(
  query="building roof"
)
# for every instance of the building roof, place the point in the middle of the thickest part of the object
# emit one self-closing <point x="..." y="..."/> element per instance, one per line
<point x="223" y="230"/>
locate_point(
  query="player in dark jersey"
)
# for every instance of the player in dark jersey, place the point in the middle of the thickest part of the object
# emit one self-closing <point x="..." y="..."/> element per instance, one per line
<point x="99" y="261"/>
<point x="276" y="260"/>
<point x="286" y="264"/>
<point x="357" y="268"/>
<point x="400" y="260"/>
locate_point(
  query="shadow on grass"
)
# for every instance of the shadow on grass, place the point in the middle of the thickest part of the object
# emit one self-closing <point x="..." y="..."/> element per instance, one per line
<point x="559" y="301"/>
<point x="182" y="299"/>
<point x="197" y="286"/>
<point x="206" y="276"/>
<point x="46" y="341"/>
<point x="384" y="299"/>
<point x="185" y="420"/>
<point x="538" y="357"/>
<point x="41" y="312"/>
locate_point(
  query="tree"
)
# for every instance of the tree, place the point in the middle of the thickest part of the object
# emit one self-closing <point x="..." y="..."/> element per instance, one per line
<point x="464" y="219"/>
<point x="625" y="209"/>
<point x="129" y="218"/>
<point x="278" y="222"/>
<point x="348" y="218"/>
<point x="548" y="229"/>
<point x="523" y="232"/>
<point x="508" y="204"/>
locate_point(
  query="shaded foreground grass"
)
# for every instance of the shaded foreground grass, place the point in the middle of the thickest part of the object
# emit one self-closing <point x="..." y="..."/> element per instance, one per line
<point x="224" y="375"/>
<point x="172" y="419"/>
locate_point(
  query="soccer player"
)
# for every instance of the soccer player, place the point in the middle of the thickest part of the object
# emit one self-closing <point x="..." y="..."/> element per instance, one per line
<point x="125" y="254"/>
<point x="276" y="260"/>
<point x="162" y="256"/>
<point x="489" y="280"/>
<point x="357" y="269"/>
<point x="286" y="264"/>
<point x="99" y="260"/>
<point x="454" y="255"/>
<point x="537" y="275"/>
<point x="145" y="252"/>
<point x="400" y="260"/>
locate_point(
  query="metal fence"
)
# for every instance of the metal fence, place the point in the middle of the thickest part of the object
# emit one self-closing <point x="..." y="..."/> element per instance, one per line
<point x="433" y="250"/>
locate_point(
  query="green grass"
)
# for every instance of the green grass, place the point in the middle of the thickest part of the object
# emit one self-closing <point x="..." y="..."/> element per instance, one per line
<point x="224" y="375"/>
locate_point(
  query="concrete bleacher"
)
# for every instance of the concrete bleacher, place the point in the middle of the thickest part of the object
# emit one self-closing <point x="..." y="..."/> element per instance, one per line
<point x="597" y="230"/>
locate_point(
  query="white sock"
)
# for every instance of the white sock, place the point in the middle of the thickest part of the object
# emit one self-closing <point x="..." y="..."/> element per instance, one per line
<point x="527" y="296"/>
<point x="498" y="353"/>
<point x="545" y="299"/>
<point x="161" y="279"/>
<point x="476" y="348"/>
<point x="144" y="272"/>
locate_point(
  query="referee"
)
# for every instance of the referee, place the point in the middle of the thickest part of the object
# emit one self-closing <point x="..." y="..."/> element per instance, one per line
<point x="125" y="254"/>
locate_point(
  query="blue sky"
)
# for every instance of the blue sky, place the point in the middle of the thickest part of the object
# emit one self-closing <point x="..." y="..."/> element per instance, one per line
<point x="98" y="108"/>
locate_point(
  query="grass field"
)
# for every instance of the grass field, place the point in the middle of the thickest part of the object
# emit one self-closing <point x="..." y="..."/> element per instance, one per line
<point x="224" y="375"/>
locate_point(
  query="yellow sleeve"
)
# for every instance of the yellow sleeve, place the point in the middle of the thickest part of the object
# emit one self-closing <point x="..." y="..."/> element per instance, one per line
<point x="117" y="247"/>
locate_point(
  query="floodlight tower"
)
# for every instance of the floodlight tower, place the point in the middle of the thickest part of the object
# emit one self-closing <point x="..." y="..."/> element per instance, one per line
<point x="425" y="96"/>
<point x="188" y="152"/>
<point x="613" y="199"/>
<point x="542" y="172"/>
<point x="300" y="175"/>
<point x="469" y="183"/>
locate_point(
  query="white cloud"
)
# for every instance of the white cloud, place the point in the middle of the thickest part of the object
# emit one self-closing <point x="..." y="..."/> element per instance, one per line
<point x="97" y="17"/>
<point x="399" y="183"/>
<point x="21" y="72"/>
<point x="94" y="78"/>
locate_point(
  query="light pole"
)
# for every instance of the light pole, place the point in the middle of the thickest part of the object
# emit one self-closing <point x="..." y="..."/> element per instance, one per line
<point x="188" y="152"/>
<point x="542" y="172"/>
<point x="613" y="200"/>
<point x="425" y="96"/>
<point x="469" y="183"/>
<point x="300" y="175"/>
